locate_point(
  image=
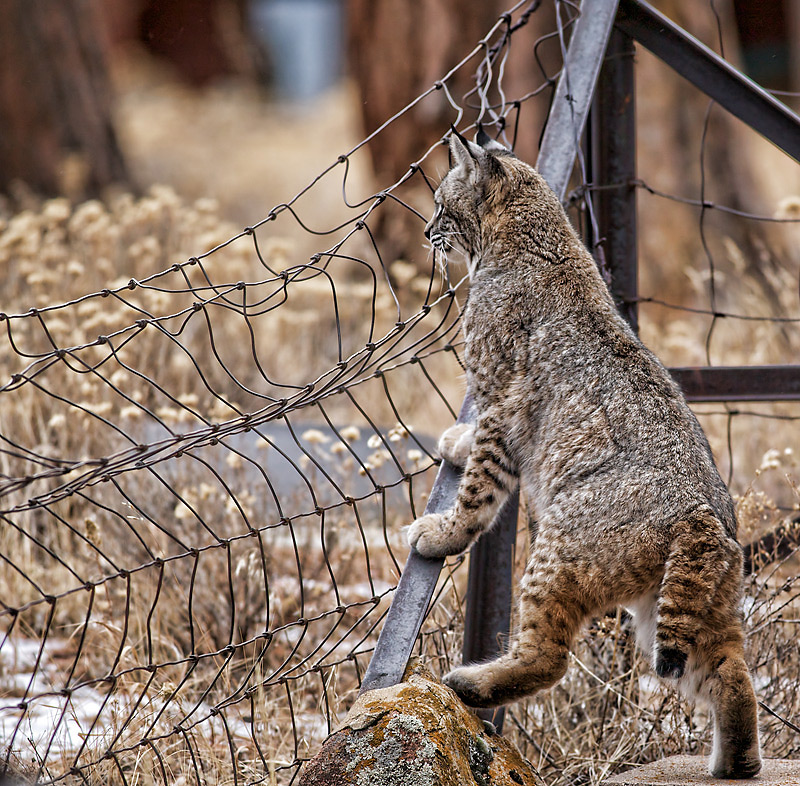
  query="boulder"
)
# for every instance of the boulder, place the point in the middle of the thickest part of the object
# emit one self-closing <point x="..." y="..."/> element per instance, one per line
<point x="416" y="733"/>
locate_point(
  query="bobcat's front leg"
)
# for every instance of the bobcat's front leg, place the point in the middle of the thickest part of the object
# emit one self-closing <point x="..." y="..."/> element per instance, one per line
<point x="456" y="443"/>
<point x="489" y="477"/>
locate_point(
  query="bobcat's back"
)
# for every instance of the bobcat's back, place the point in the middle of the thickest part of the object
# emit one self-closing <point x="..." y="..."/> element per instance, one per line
<point x="591" y="412"/>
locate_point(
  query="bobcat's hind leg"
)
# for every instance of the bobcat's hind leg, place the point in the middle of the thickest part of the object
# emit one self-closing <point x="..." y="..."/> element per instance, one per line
<point x="703" y="561"/>
<point x="706" y="619"/>
<point x="551" y="612"/>
<point x="724" y="681"/>
<point x="736" y="752"/>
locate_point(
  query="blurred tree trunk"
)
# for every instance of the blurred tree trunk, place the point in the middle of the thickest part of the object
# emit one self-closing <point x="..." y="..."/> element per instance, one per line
<point x="202" y="40"/>
<point x="56" y="133"/>
<point x="399" y="49"/>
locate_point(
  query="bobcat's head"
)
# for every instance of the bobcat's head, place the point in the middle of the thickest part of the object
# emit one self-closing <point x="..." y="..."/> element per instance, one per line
<point x="480" y="201"/>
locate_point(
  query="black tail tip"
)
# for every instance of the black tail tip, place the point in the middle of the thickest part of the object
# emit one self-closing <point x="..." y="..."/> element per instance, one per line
<point x="670" y="663"/>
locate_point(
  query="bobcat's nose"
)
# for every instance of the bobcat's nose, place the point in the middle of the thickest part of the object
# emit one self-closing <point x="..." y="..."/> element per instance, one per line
<point x="428" y="228"/>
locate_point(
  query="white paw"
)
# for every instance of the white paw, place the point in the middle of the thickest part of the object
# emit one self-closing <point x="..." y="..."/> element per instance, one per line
<point x="456" y="443"/>
<point x="430" y="535"/>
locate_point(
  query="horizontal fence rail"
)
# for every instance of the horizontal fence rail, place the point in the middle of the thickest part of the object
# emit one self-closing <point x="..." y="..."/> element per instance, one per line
<point x="739" y="383"/>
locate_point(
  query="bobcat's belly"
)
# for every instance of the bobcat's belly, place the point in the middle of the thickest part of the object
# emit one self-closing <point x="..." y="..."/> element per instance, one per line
<point x="644" y="611"/>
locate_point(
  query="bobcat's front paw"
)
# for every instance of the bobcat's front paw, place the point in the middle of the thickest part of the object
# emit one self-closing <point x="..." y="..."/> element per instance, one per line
<point x="456" y="443"/>
<point x="433" y="536"/>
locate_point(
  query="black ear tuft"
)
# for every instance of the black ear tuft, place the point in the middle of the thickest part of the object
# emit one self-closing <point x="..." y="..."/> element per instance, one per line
<point x="456" y="132"/>
<point x="482" y="138"/>
<point x="491" y="145"/>
<point x="466" y="145"/>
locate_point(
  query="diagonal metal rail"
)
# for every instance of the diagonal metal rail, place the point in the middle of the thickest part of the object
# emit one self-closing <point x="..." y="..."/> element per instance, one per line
<point x="560" y="146"/>
<point x="707" y="71"/>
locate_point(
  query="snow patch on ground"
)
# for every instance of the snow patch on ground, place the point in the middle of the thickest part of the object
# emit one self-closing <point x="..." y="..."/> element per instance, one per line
<point x="35" y="713"/>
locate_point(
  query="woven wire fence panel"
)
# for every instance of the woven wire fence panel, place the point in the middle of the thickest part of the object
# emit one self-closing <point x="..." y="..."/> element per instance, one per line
<point x="206" y="465"/>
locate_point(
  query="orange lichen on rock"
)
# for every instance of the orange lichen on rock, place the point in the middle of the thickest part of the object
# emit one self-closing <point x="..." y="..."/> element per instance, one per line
<point x="416" y="733"/>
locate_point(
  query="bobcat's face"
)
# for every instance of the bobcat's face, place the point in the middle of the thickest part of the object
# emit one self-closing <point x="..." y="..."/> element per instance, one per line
<point x="465" y="197"/>
<point x="455" y="223"/>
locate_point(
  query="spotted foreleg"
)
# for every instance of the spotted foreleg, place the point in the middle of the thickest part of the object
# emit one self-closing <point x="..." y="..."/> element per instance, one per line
<point x="490" y="476"/>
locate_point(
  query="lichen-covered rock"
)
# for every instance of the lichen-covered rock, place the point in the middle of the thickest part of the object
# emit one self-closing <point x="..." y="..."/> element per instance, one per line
<point x="416" y="733"/>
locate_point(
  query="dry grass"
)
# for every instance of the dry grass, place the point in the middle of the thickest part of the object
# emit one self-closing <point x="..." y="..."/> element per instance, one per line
<point x="202" y="594"/>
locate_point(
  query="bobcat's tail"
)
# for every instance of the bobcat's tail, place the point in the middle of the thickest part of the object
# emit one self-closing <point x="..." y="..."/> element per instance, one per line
<point x="703" y="574"/>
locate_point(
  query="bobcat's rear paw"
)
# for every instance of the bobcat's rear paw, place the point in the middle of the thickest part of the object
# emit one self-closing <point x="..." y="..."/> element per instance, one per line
<point x="736" y="767"/>
<point x="670" y="663"/>
<point x="433" y="537"/>
<point x="467" y="685"/>
<point x="456" y="443"/>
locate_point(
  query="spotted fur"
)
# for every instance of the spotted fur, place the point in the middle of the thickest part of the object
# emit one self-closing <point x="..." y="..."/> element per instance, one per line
<point x="615" y="467"/>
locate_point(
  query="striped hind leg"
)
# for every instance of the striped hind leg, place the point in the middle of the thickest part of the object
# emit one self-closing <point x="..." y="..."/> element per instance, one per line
<point x="717" y="674"/>
<point x="703" y="562"/>
<point x="699" y="639"/>
<point x="736" y="751"/>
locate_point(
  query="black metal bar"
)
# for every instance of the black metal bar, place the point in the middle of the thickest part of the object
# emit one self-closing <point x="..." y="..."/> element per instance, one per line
<point x="488" y="599"/>
<point x="742" y="383"/>
<point x="710" y="73"/>
<point x="612" y="145"/>
<point x="555" y="163"/>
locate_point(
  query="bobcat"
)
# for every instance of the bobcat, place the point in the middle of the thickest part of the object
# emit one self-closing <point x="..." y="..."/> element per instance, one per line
<point x="617" y="471"/>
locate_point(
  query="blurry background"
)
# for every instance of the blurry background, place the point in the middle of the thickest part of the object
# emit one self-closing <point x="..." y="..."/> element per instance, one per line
<point x="245" y="100"/>
<point x="138" y="134"/>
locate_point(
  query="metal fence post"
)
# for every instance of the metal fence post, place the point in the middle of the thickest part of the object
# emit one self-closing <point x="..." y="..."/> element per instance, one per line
<point x="612" y="167"/>
<point x="488" y="600"/>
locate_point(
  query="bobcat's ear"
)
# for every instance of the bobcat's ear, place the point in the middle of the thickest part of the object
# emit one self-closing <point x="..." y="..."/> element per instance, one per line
<point x="461" y="154"/>
<point x="468" y="156"/>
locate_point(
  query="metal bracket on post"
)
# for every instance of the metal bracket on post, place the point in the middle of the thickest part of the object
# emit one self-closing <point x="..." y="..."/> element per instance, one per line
<point x="493" y="551"/>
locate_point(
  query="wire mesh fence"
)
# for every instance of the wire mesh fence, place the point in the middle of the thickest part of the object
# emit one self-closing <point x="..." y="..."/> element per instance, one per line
<point x="207" y="463"/>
